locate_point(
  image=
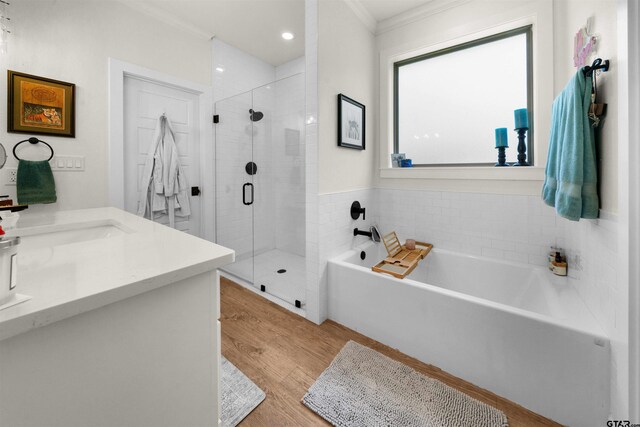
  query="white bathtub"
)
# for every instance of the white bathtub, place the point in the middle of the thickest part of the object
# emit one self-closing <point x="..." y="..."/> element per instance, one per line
<point x="514" y="329"/>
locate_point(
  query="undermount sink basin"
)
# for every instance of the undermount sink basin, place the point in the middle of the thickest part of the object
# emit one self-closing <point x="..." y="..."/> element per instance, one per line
<point x="39" y="237"/>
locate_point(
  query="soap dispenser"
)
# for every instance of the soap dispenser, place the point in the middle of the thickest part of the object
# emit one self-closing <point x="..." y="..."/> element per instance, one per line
<point x="8" y="266"/>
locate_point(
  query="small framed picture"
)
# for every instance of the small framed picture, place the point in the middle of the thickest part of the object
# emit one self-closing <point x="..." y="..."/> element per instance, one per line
<point x="396" y="159"/>
<point x="38" y="105"/>
<point x="351" y="123"/>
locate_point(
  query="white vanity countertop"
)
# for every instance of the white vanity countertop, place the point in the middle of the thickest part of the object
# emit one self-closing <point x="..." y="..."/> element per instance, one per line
<point x="122" y="255"/>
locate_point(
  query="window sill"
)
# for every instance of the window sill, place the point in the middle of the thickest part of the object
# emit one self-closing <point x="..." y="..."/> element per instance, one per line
<point x="510" y="173"/>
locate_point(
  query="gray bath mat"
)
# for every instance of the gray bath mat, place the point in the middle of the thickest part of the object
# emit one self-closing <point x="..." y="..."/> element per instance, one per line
<point x="240" y="395"/>
<point x="362" y="387"/>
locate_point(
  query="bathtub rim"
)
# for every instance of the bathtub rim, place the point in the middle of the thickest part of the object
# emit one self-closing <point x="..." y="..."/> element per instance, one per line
<point x="594" y="330"/>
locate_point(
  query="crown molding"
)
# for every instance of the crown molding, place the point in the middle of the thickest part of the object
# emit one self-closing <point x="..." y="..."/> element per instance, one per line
<point x="167" y="18"/>
<point x="363" y="15"/>
<point x="432" y="8"/>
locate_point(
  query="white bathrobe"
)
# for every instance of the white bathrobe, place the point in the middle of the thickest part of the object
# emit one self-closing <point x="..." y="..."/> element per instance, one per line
<point x="165" y="187"/>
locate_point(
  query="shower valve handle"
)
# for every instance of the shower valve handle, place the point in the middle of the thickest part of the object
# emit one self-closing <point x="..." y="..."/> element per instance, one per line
<point x="356" y="210"/>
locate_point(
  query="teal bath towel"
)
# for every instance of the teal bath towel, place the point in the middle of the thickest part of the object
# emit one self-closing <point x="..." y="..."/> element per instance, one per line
<point x="35" y="183"/>
<point x="571" y="177"/>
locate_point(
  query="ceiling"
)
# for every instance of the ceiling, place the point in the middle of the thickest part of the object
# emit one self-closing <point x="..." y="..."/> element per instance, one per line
<point x="255" y="26"/>
<point x="385" y="9"/>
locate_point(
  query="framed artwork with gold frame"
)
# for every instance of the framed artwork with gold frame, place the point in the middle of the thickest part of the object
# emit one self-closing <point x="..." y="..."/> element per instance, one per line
<point x="37" y="105"/>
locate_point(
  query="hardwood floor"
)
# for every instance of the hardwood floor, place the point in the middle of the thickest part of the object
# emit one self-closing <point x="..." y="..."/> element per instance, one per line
<point x="284" y="354"/>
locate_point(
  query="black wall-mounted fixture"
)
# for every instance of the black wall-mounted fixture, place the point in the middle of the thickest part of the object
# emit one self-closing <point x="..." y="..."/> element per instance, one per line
<point x="255" y="116"/>
<point x="373" y="233"/>
<point x="251" y="168"/>
<point x="356" y="210"/>
<point x="598" y="64"/>
<point x="357" y="232"/>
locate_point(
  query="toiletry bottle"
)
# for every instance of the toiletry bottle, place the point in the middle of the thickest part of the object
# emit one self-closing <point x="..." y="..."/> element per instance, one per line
<point x="559" y="265"/>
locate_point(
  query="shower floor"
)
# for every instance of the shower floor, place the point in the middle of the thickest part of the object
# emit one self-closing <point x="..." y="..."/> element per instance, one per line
<point x="288" y="286"/>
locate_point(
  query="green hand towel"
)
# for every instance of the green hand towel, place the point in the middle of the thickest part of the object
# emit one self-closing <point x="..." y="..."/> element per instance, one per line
<point x="35" y="182"/>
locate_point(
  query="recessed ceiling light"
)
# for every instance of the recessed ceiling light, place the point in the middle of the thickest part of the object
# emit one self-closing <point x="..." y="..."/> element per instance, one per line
<point x="287" y="35"/>
<point x="220" y="69"/>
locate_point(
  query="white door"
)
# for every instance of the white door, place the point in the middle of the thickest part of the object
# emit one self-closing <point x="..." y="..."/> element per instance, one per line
<point x="144" y="103"/>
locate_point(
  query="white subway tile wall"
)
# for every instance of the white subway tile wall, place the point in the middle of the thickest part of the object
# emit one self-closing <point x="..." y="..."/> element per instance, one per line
<point x="515" y="228"/>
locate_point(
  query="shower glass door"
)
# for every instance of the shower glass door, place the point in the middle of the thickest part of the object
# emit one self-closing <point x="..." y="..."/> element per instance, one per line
<point x="235" y="189"/>
<point x="260" y="187"/>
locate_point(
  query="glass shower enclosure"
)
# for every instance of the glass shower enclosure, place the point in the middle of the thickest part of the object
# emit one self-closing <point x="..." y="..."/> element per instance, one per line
<point x="260" y="187"/>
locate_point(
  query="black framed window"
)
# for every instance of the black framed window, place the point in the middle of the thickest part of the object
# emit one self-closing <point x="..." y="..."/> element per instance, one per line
<point x="448" y="103"/>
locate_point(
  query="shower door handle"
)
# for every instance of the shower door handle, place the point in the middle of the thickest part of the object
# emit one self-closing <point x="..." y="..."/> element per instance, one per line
<point x="244" y="194"/>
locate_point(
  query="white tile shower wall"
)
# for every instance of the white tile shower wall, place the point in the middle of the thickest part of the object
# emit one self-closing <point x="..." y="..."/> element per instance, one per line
<point x="511" y="227"/>
<point x="290" y="68"/>
<point x="288" y="148"/>
<point x="263" y="155"/>
<point x="235" y="71"/>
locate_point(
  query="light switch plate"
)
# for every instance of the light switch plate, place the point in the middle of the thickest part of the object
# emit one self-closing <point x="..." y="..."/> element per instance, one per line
<point x="67" y="163"/>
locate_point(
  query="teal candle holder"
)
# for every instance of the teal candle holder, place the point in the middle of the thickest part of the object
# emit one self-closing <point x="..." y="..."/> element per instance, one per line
<point x="522" y="148"/>
<point x="521" y="117"/>
<point x="502" y="142"/>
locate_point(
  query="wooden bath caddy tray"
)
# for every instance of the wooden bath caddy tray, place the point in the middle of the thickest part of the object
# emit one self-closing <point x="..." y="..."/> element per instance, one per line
<point x="401" y="261"/>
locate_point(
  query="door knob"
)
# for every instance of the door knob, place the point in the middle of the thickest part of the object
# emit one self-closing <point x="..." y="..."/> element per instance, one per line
<point x="195" y="191"/>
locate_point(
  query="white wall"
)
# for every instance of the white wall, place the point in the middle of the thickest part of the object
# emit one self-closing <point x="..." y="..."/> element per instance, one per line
<point x="72" y="41"/>
<point x="346" y="64"/>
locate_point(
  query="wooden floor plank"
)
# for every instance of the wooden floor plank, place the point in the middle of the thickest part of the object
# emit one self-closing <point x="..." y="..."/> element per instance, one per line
<point x="284" y="354"/>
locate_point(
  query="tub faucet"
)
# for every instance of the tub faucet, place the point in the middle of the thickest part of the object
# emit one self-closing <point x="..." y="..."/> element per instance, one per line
<point x="373" y="233"/>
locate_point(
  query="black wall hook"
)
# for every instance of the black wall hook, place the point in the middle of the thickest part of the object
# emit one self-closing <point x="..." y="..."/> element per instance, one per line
<point x="598" y="64"/>
<point x="32" y="140"/>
